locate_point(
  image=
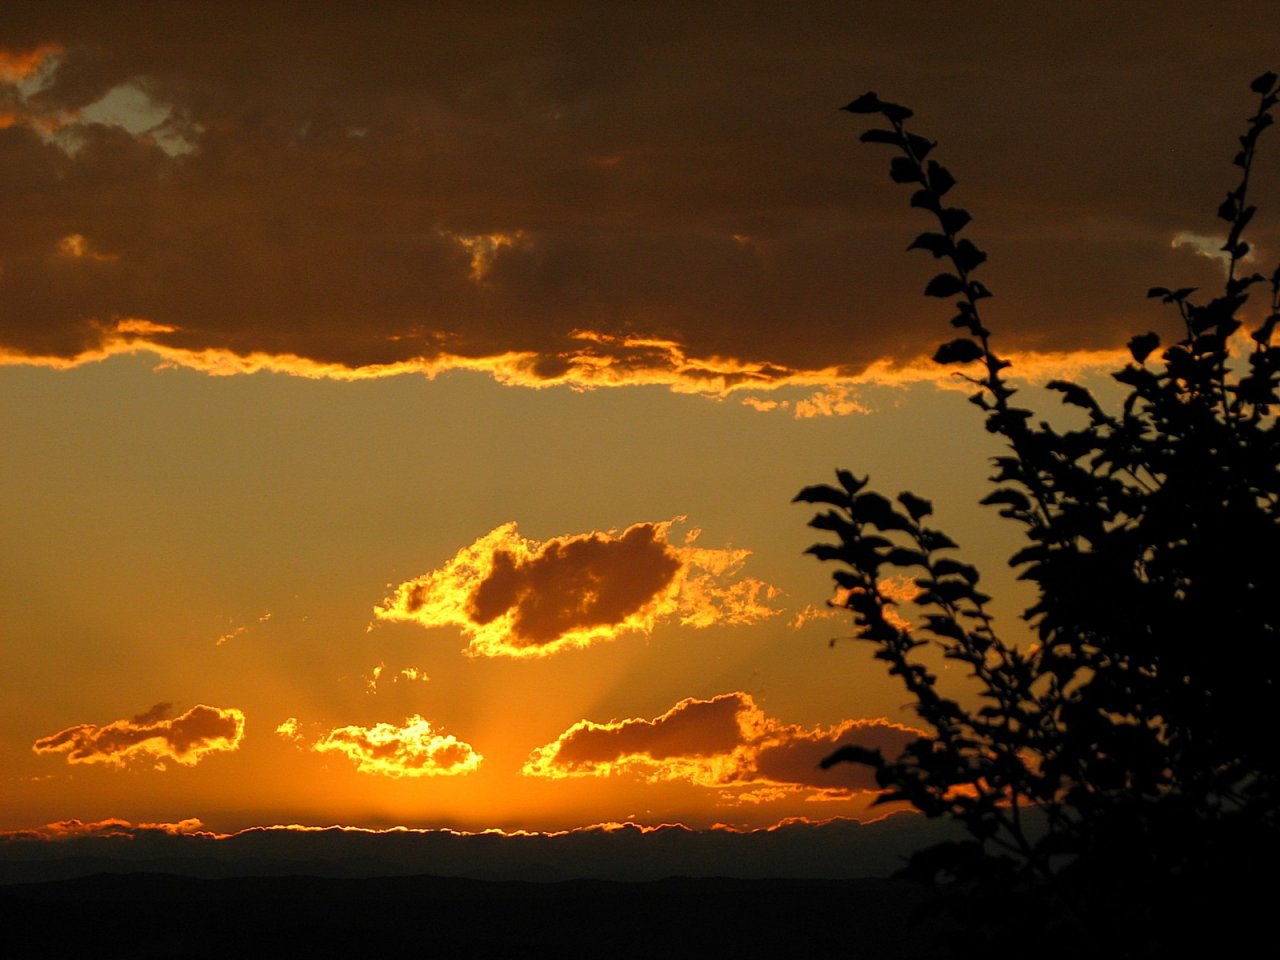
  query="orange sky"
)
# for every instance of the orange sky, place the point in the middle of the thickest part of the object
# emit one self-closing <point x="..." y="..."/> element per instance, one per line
<point x="402" y="408"/>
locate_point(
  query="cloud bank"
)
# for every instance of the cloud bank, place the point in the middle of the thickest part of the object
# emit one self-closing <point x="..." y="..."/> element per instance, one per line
<point x="154" y="735"/>
<point x="586" y="195"/>
<point x="524" y="598"/>
<point x="725" y="742"/>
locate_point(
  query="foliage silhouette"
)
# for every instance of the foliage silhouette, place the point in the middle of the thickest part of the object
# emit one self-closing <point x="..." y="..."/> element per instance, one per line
<point x="1117" y="775"/>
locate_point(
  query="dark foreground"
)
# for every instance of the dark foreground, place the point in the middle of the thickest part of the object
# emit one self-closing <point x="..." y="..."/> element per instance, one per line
<point x="157" y="915"/>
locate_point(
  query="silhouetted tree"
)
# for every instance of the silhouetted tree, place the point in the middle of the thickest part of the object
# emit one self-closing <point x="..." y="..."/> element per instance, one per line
<point x="1117" y="777"/>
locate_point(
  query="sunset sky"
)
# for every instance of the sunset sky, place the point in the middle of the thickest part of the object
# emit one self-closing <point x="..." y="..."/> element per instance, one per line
<point x="401" y="402"/>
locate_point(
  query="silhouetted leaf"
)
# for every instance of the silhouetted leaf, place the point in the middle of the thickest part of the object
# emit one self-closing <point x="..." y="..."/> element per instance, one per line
<point x="881" y="136"/>
<point x="834" y="522"/>
<point x="852" y="754"/>
<point x="1264" y="83"/>
<point x="867" y="103"/>
<point x="902" y="557"/>
<point x="954" y="219"/>
<point x="958" y="351"/>
<point x="924" y="198"/>
<point x="938" y="244"/>
<point x="919" y="146"/>
<point x="917" y="507"/>
<point x="1005" y="495"/>
<point x="905" y="170"/>
<point x="967" y="256"/>
<point x="944" y="285"/>
<point x="940" y="178"/>
<point x="822" y="493"/>
<point x="828" y="552"/>
<point x="851" y="483"/>
<point x="1073" y="394"/>
<point x="949" y="567"/>
<point x="1142" y="345"/>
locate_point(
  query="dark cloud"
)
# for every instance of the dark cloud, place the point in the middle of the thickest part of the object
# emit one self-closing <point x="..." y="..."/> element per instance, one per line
<point x="435" y="186"/>
<point x="518" y="597"/>
<point x="574" y="584"/>
<point x="724" y="742"/>
<point x="154" y="734"/>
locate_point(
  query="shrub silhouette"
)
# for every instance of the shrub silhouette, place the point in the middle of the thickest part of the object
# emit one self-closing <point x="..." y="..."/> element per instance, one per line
<point x="1118" y="775"/>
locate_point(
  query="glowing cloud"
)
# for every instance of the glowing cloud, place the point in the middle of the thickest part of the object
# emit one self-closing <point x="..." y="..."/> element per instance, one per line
<point x="520" y="598"/>
<point x="113" y="828"/>
<point x="724" y="742"/>
<point x="154" y="734"/>
<point x="414" y="749"/>
<point x="836" y="401"/>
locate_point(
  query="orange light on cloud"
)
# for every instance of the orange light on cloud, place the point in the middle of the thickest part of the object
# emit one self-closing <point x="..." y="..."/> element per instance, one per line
<point x="596" y="361"/>
<point x="74" y="246"/>
<point x="112" y="827"/>
<point x="725" y="742"/>
<point x="484" y="247"/>
<point x="522" y="598"/>
<point x="19" y="65"/>
<point x="900" y="589"/>
<point x="154" y="735"/>
<point x="414" y="749"/>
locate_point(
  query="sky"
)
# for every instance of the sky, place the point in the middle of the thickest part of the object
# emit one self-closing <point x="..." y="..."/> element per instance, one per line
<point x="401" y="403"/>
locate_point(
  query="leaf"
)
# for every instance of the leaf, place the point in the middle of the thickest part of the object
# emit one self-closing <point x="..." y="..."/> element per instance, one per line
<point x="954" y="219"/>
<point x="944" y="285"/>
<point x="1142" y="345"/>
<point x="903" y="557"/>
<point x="877" y="135"/>
<point x="939" y="244"/>
<point x="949" y="567"/>
<point x="835" y="523"/>
<point x="918" y="507"/>
<point x="940" y="178"/>
<point x="822" y="493"/>
<point x="872" y="507"/>
<point x="852" y="754"/>
<point x="962" y="350"/>
<point x="828" y="552"/>
<point x="850" y="482"/>
<point x="919" y="146"/>
<point x="1073" y="394"/>
<point x="968" y="256"/>
<point x="926" y="200"/>
<point x="1264" y="83"/>
<point x="905" y="170"/>
<point x="867" y="103"/>
<point x="1005" y="495"/>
